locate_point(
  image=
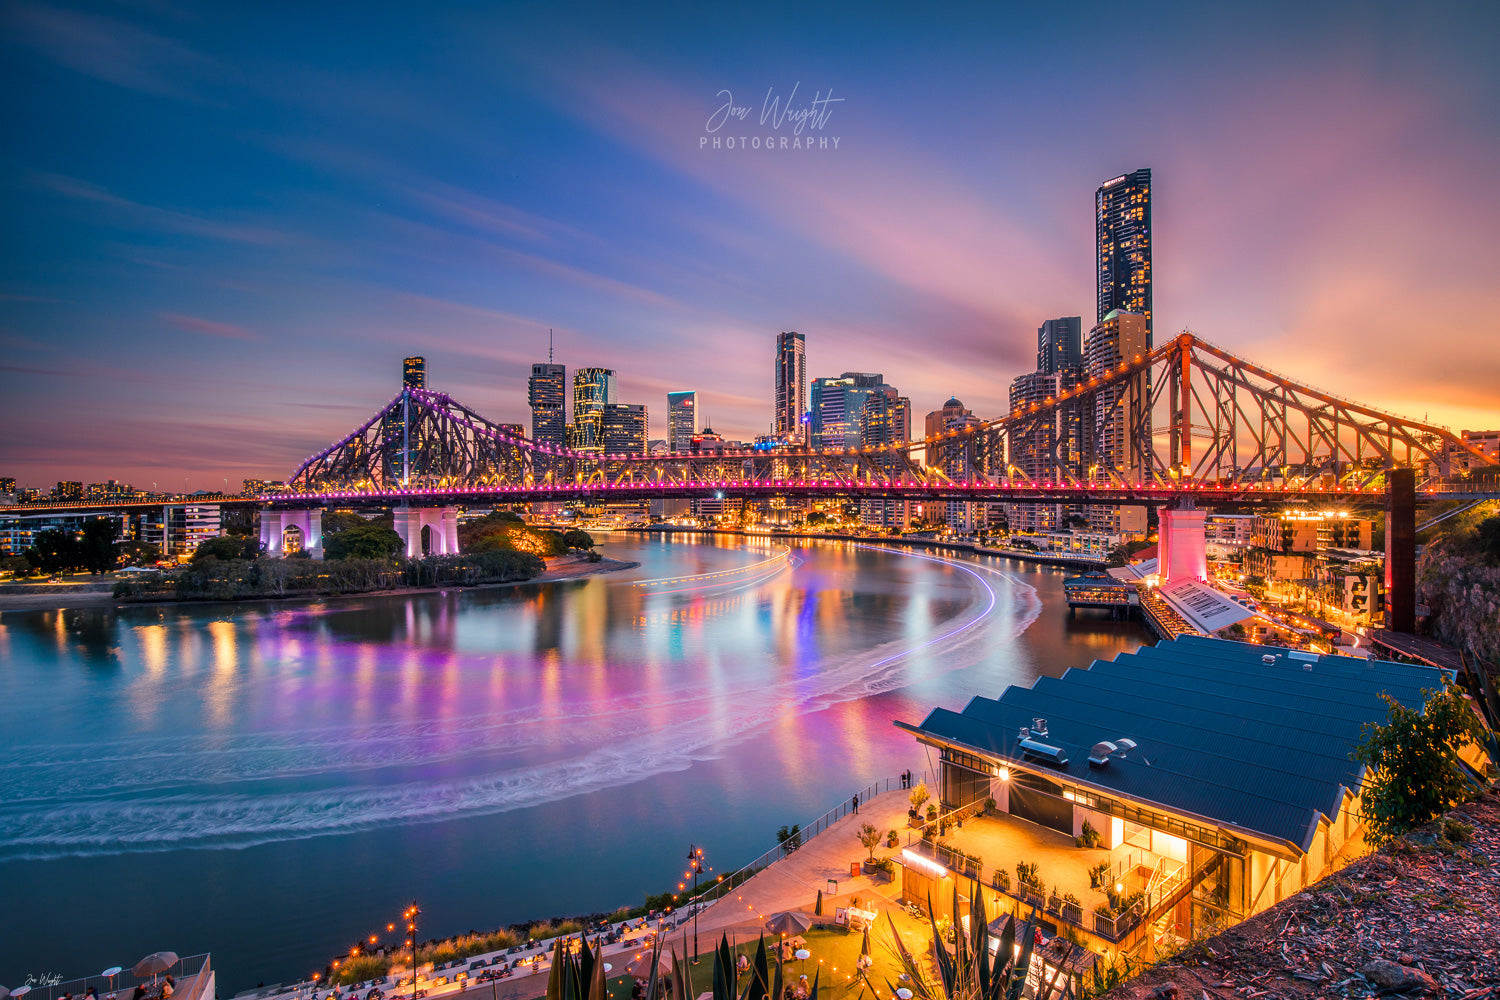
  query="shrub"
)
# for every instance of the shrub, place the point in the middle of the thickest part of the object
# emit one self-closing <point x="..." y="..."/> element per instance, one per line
<point x="1414" y="757"/>
<point x="1001" y="880"/>
<point x="1090" y="837"/>
<point x="892" y="839"/>
<point x="1456" y="830"/>
<point x="1099" y="875"/>
<point x="919" y="796"/>
<point x="1027" y="875"/>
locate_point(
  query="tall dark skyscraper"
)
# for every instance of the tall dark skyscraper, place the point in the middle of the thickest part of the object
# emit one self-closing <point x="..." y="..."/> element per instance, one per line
<point x="1059" y="345"/>
<point x="791" y="387"/>
<point x="682" y="419"/>
<point x="414" y="373"/>
<point x="1122" y="225"/>
<point x="548" y="394"/>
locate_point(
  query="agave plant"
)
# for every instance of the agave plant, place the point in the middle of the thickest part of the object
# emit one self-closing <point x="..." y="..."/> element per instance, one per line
<point x="580" y="976"/>
<point x="970" y="972"/>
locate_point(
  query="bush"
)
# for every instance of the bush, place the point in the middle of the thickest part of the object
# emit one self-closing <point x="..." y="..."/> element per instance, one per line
<point x="363" y="541"/>
<point x="1027" y="875"/>
<point x="1414" y="757"/>
<point x="575" y="538"/>
<point x="892" y="839"/>
<point x="1090" y="837"/>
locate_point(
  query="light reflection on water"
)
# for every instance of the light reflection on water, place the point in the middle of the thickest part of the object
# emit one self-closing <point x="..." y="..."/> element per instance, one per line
<point x="504" y="754"/>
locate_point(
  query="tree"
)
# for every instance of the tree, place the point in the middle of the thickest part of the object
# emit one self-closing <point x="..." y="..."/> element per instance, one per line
<point x="1414" y="757"/>
<point x="96" y="549"/>
<point x="870" y="838"/>
<point x="136" y="553"/>
<point x="54" y="551"/>
<point x="225" y="547"/>
<point x="335" y="521"/>
<point x="365" y="541"/>
<point x="817" y="517"/>
<point x="919" y="796"/>
<point x="1255" y="586"/>
<point x="577" y="538"/>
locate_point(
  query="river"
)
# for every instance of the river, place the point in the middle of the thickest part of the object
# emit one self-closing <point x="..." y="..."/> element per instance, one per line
<point x="271" y="782"/>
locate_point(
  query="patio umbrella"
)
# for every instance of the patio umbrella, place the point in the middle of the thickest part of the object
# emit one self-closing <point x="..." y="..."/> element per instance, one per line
<point x="20" y="991"/>
<point x="818" y="906"/>
<point x="789" y="922"/>
<point x="154" y="964"/>
<point x="4" y="993"/>
<point x="641" y="967"/>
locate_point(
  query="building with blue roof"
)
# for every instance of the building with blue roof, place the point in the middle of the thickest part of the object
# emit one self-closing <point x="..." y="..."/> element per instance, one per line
<point x="1217" y="775"/>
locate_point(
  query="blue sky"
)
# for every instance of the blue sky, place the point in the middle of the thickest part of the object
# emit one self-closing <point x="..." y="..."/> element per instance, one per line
<point x="227" y="224"/>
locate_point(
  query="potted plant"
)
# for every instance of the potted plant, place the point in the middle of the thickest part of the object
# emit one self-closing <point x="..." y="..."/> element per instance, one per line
<point x="1090" y="837"/>
<point x="869" y="837"/>
<point x="919" y="797"/>
<point x="1001" y="880"/>
<point x="1099" y="875"/>
<point x="891" y="839"/>
<point x="989" y="805"/>
<point x="1072" y="908"/>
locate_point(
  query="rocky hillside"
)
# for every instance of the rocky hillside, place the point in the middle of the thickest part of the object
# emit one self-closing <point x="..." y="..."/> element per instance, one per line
<point x="1419" y="918"/>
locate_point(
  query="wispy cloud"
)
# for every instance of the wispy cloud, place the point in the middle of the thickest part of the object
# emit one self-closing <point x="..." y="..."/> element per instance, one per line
<point x="208" y="327"/>
<point x="111" y="50"/>
<point x="156" y="218"/>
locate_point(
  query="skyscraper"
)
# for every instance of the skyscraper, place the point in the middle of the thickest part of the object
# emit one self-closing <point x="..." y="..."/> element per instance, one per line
<point x="682" y="419"/>
<point x="1059" y="345"/>
<point x="414" y="372"/>
<point x="593" y="389"/>
<point x="836" y="408"/>
<point x="1031" y="453"/>
<point x="885" y="419"/>
<point x="548" y="394"/>
<point x="1120" y="446"/>
<point x="791" y="387"/>
<point x="623" y="429"/>
<point x="1122" y="226"/>
<point x="957" y="457"/>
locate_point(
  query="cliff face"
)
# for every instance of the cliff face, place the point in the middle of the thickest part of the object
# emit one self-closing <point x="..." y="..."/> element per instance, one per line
<point x="1464" y="595"/>
<point x="1421" y="917"/>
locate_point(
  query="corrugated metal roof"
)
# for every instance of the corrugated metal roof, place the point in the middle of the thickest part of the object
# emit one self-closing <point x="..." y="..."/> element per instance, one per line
<point x="1220" y="734"/>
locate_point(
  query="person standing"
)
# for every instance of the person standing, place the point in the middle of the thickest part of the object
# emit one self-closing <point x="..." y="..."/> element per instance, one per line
<point x="856" y="805"/>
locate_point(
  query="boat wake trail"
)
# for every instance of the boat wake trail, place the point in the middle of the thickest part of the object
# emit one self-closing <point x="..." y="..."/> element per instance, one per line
<point x="231" y="792"/>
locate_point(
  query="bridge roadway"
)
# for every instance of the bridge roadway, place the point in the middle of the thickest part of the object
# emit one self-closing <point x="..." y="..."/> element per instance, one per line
<point x="1104" y="493"/>
<point x="1204" y="494"/>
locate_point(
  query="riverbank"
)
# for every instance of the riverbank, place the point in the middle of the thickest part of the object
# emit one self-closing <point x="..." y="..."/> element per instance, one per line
<point x="1045" y="558"/>
<point x="101" y="595"/>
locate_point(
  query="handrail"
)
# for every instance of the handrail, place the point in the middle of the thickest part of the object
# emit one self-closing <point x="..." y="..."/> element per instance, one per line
<point x="122" y="983"/>
<point x="742" y="875"/>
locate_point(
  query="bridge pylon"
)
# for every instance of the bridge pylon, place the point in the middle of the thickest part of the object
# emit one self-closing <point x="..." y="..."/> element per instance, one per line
<point x="442" y="523"/>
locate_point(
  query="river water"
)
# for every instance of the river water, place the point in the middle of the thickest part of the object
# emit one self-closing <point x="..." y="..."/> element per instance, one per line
<point x="271" y="782"/>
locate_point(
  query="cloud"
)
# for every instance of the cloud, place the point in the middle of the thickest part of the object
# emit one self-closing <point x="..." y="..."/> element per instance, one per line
<point x="153" y="217"/>
<point x="111" y="50"/>
<point x="208" y="328"/>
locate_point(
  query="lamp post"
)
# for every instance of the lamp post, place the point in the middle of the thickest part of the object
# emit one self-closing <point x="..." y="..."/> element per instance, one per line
<point x="695" y="865"/>
<point x="411" y="930"/>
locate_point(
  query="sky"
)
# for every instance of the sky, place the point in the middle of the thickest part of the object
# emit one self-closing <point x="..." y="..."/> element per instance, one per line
<point x="225" y="225"/>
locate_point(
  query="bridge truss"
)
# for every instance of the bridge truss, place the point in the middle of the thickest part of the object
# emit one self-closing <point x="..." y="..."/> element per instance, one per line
<point x="1189" y="416"/>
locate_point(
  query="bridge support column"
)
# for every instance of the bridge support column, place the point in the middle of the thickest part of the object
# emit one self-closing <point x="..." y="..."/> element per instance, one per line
<point x="1181" y="547"/>
<point x="270" y="532"/>
<point x="1401" y="550"/>
<point x="442" y="523"/>
<point x="273" y="525"/>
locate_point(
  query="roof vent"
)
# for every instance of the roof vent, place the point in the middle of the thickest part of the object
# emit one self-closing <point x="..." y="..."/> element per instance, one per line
<point x="1025" y="733"/>
<point x="1039" y="726"/>
<point x="1051" y="754"/>
<point x="1268" y="659"/>
<point x="1099" y="756"/>
<point x="1125" y="744"/>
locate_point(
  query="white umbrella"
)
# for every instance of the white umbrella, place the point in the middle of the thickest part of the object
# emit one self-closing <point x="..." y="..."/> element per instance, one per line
<point x="904" y="993"/>
<point x="20" y="991"/>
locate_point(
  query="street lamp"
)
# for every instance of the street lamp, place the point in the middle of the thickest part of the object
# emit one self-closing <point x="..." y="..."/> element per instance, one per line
<point x="695" y="866"/>
<point x="411" y="929"/>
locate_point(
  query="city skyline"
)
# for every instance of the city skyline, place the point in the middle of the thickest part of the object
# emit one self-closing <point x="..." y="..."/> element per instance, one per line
<point x="159" y="291"/>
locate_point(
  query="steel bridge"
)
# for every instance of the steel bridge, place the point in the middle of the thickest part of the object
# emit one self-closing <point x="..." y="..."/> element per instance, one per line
<point x="1188" y="422"/>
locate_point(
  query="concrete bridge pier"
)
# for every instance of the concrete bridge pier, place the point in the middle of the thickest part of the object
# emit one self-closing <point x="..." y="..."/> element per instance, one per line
<point x="443" y="533"/>
<point x="1182" y="551"/>
<point x="273" y="526"/>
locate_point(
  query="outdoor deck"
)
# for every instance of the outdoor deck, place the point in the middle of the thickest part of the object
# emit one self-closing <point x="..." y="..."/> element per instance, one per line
<point x="1001" y="840"/>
